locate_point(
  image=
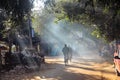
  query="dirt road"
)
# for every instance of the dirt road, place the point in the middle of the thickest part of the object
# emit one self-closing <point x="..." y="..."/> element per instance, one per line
<point x="79" y="69"/>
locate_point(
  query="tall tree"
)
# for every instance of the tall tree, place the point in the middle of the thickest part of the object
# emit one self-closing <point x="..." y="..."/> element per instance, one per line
<point x="16" y="12"/>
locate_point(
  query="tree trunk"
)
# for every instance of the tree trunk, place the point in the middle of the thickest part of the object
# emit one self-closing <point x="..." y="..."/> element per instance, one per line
<point x="0" y="61"/>
<point x="30" y="31"/>
<point x="10" y="47"/>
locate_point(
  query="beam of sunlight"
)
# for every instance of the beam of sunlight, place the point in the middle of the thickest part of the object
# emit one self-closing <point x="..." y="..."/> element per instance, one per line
<point x="72" y="34"/>
<point x="28" y="56"/>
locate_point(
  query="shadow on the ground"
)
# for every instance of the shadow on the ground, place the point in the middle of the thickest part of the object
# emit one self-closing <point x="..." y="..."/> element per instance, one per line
<point x="56" y="71"/>
<point x="63" y="74"/>
<point x="95" y="60"/>
<point x="91" y="69"/>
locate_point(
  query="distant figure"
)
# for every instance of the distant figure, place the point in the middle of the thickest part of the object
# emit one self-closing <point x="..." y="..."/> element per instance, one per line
<point x="117" y="51"/>
<point x="65" y="51"/>
<point x="70" y="54"/>
<point x="116" y="54"/>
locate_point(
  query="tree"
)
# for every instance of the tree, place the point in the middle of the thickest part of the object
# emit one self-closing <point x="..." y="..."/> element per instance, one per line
<point x="102" y="15"/>
<point x="15" y="12"/>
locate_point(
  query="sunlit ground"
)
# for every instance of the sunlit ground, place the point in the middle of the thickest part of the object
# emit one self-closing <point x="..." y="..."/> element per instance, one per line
<point x="81" y="69"/>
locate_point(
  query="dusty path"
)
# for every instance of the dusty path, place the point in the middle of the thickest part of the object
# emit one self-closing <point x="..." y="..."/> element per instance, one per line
<point x="79" y="69"/>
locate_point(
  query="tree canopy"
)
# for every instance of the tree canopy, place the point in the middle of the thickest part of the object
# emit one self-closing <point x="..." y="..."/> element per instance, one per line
<point x="13" y="13"/>
<point x="102" y="15"/>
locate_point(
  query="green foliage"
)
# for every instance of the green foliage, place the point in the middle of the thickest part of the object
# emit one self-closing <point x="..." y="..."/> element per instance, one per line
<point x="96" y="33"/>
<point x="16" y="9"/>
<point x="15" y="13"/>
<point x="104" y="13"/>
<point x="106" y="10"/>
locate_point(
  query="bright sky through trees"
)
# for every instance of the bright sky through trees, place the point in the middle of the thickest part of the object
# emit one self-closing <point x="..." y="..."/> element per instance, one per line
<point x="38" y="5"/>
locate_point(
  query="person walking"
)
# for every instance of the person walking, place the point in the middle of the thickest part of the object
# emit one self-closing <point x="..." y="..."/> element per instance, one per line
<point x="117" y="51"/>
<point x="70" y="54"/>
<point x="65" y="51"/>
